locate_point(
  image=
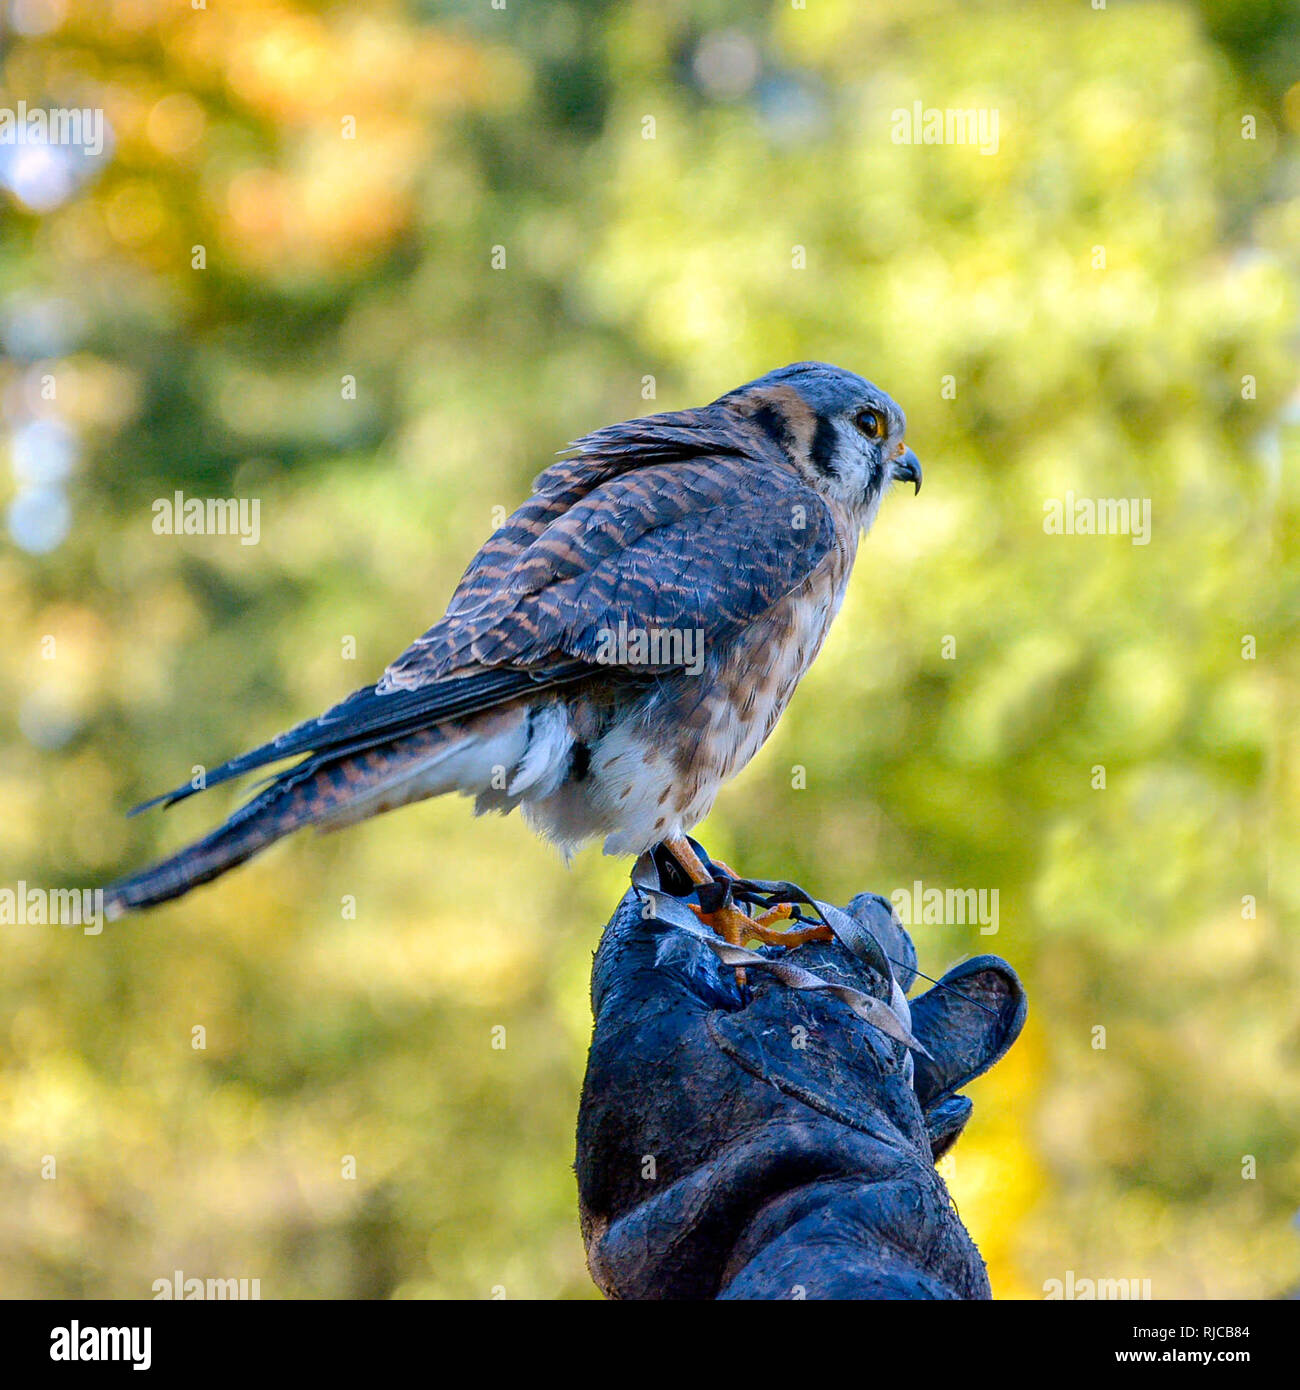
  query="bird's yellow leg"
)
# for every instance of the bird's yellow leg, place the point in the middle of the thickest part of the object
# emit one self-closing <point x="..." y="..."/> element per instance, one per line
<point x="681" y="851"/>
<point x="759" y="927"/>
<point x="731" y="923"/>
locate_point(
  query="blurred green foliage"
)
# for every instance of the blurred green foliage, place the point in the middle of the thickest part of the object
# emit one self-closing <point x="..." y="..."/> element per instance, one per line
<point x="981" y="673"/>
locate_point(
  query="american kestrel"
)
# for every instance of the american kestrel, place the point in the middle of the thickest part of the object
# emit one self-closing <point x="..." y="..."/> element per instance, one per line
<point x="617" y="650"/>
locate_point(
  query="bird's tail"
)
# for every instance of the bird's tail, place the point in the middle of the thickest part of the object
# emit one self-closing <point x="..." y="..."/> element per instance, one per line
<point x="280" y="809"/>
<point x="331" y="792"/>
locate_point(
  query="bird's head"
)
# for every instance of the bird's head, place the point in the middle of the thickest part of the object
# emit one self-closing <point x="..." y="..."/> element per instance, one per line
<point x="844" y="435"/>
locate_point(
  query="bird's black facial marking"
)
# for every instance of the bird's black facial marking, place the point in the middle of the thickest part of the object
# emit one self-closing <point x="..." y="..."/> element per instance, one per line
<point x="773" y="424"/>
<point x="822" y="452"/>
<point x="579" y="762"/>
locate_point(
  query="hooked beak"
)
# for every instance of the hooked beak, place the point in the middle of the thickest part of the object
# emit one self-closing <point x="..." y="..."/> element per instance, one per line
<point x="907" y="468"/>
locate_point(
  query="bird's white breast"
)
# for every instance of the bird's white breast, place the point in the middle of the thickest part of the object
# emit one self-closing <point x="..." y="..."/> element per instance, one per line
<point x="656" y="772"/>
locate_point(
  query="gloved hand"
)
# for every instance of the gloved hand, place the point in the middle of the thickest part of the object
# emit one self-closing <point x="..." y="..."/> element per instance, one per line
<point x="765" y="1141"/>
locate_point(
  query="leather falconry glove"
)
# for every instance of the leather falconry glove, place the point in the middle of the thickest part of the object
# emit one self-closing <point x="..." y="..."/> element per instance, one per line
<point x="768" y="1140"/>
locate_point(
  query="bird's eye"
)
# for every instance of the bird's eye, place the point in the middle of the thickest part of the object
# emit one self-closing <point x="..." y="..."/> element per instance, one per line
<point x="870" y="422"/>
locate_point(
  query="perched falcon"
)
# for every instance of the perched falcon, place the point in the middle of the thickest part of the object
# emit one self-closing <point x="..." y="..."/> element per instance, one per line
<point x="617" y="650"/>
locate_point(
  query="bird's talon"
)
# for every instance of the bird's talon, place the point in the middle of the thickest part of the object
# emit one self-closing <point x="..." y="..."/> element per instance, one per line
<point x="795" y="936"/>
<point x="734" y="925"/>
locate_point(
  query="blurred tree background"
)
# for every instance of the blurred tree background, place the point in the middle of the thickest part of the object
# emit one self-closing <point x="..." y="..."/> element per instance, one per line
<point x="509" y="225"/>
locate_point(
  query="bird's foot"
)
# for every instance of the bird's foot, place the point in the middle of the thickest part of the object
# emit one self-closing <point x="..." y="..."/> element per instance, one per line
<point x="737" y="927"/>
<point x="762" y="929"/>
<point x="730" y="922"/>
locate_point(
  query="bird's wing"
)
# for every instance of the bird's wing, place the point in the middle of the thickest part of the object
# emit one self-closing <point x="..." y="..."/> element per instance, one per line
<point x="704" y="545"/>
<point x="606" y="453"/>
<point x="367" y="719"/>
